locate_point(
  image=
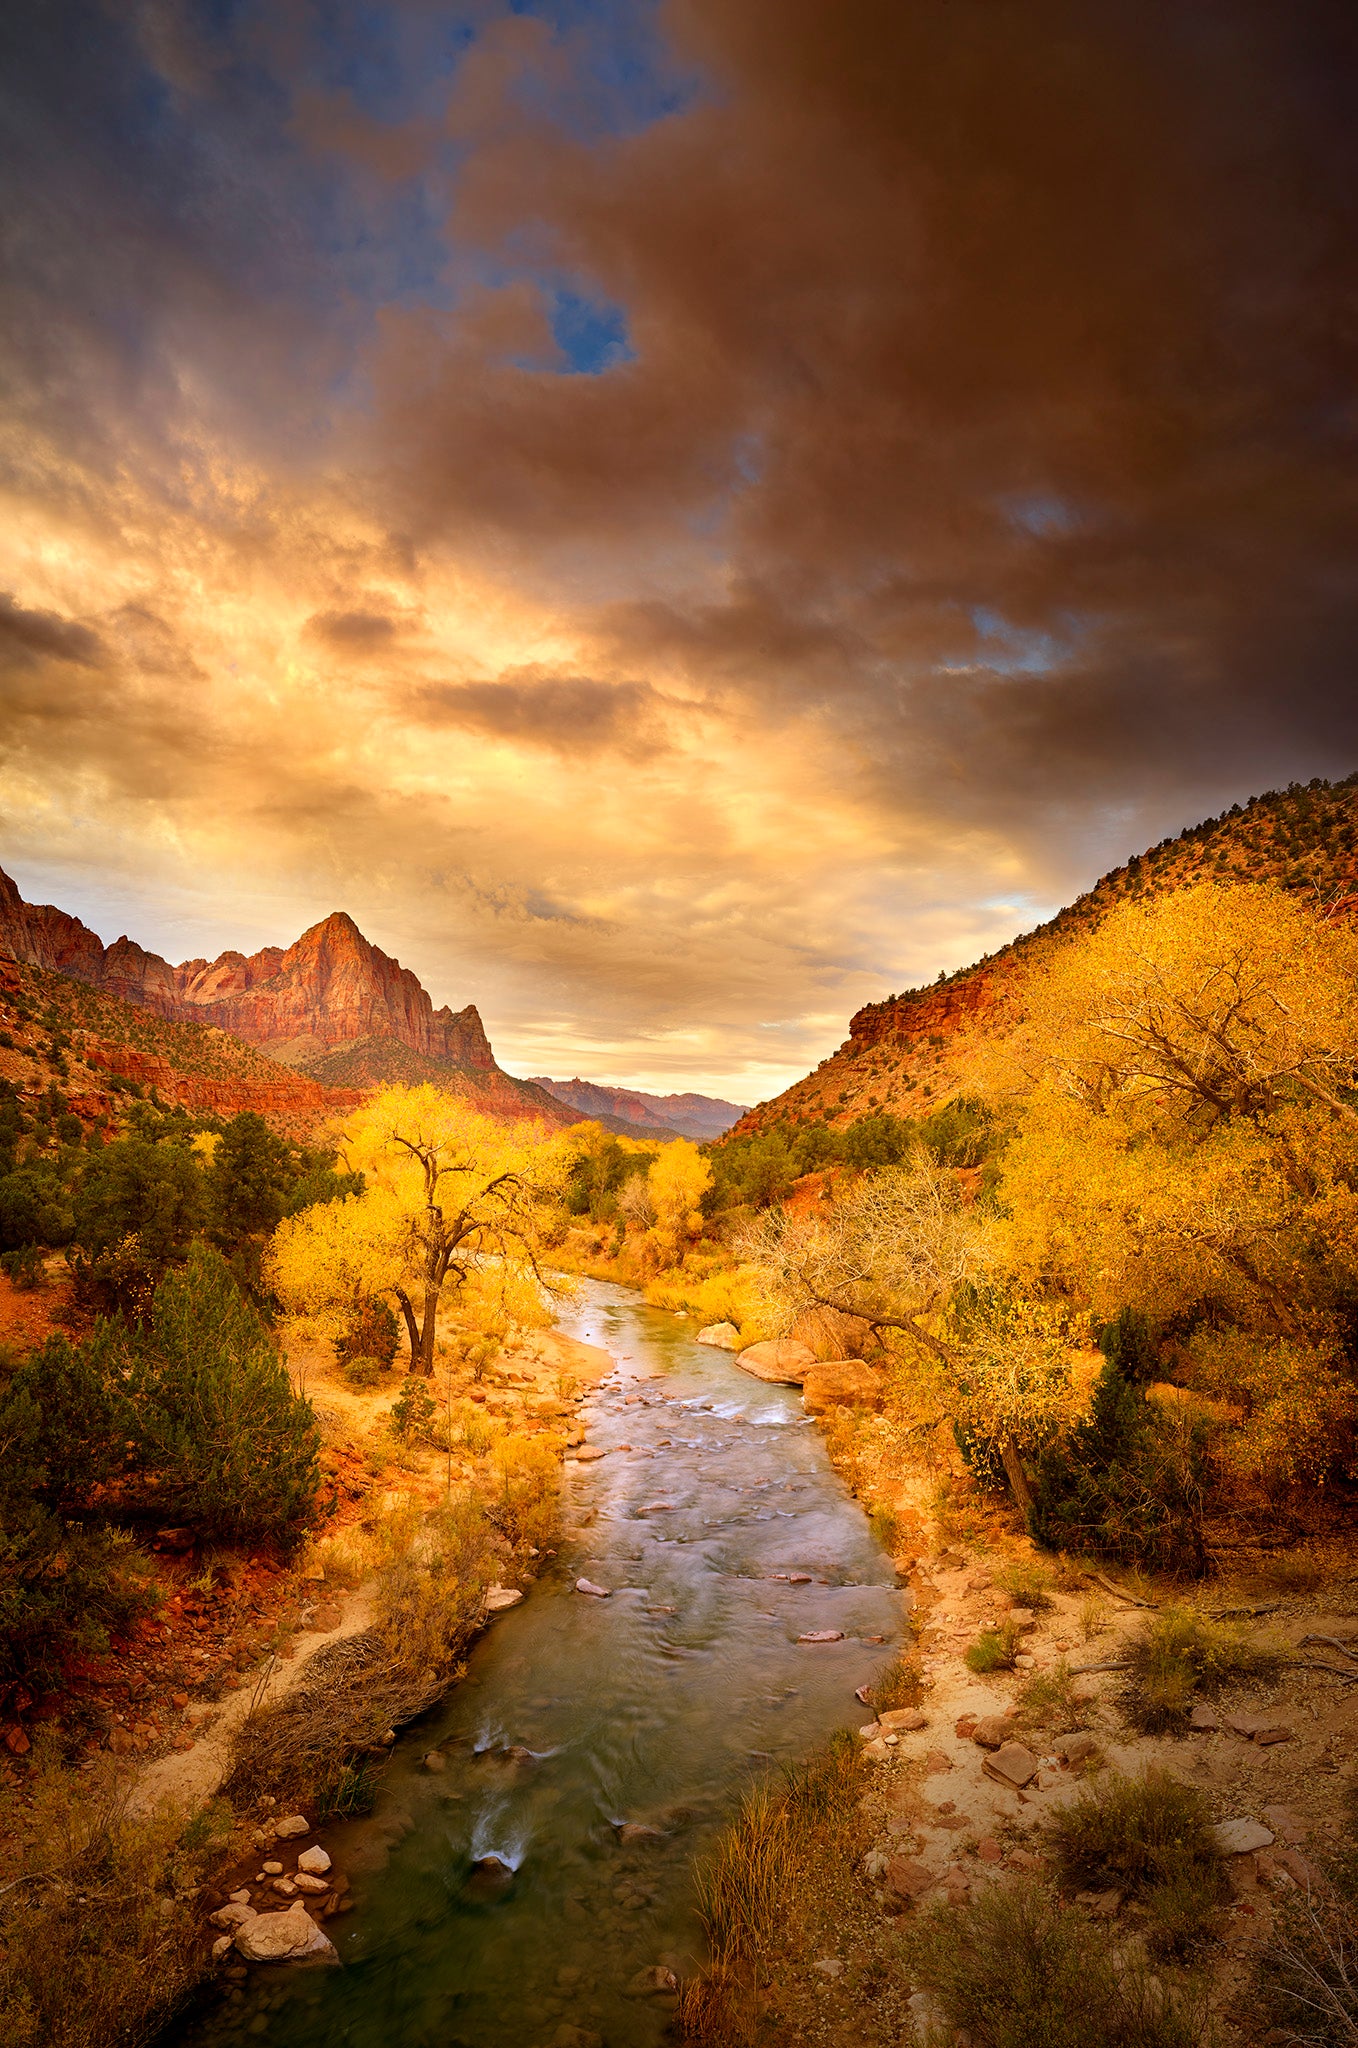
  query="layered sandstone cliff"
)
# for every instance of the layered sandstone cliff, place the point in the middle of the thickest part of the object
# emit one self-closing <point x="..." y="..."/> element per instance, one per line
<point x="331" y="992"/>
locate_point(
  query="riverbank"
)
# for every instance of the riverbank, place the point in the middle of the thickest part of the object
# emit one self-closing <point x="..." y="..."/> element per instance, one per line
<point x="124" y="1812"/>
<point x="959" y="1802"/>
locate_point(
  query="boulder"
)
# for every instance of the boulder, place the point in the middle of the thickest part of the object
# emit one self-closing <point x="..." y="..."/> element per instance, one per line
<point x="1242" y="1837"/>
<point x="498" y="1598"/>
<point x="283" y="1937"/>
<point x="902" y="1721"/>
<point x="781" y="1361"/>
<point x="314" y="1862"/>
<point x="992" y="1731"/>
<point x="841" y="1383"/>
<point x="724" y="1336"/>
<point x="587" y="1454"/>
<point x="1013" y="1765"/>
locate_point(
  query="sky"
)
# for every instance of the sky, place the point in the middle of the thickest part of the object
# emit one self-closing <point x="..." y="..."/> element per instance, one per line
<point x="681" y="518"/>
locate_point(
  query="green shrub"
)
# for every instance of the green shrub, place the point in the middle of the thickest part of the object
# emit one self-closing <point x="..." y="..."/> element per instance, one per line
<point x="900" y="1685"/>
<point x="1150" y="1837"/>
<point x="994" y="1649"/>
<point x="1180" y="1652"/>
<point x="64" y="1589"/>
<point x="231" y="1448"/>
<point x="1017" y="1970"/>
<point x="1047" y="1700"/>
<point x="1128" y="1483"/>
<point x="363" y="1372"/>
<point x="370" y="1332"/>
<point x="35" y="1208"/>
<point x="23" y="1268"/>
<point x="136" y="1212"/>
<point x="413" y="1410"/>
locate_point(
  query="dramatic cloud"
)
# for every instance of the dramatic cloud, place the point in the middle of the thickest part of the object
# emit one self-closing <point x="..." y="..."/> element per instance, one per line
<point x="680" y="517"/>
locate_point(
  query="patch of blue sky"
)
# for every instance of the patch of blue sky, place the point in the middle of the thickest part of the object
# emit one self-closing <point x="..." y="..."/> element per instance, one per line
<point x="628" y="77"/>
<point x="1040" y="513"/>
<point x="591" y="333"/>
<point x="1010" y="650"/>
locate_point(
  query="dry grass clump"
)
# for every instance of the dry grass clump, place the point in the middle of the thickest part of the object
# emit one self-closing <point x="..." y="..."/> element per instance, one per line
<point x="1181" y="1652"/>
<point x="1047" y="1700"/>
<point x="311" y="1746"/>
<point x="99" y="1940"/>
<point x="1028" y="1583"/>
<point x="754" y="1888"/>
<point x="1015" y="1969"/>
<point x="1307" y="1975"/>
<point x="900" y="1685"/>
<point x="1151" y="1838"/>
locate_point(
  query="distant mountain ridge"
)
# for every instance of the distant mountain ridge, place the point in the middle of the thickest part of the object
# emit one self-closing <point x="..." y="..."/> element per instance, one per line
<point x="910" y="1053"/>
<point x="332" y="1005"/>
<point x="701" y="1117"/>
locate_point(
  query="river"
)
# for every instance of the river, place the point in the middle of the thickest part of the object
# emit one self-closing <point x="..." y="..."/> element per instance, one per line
<point x="657" y="1706"/>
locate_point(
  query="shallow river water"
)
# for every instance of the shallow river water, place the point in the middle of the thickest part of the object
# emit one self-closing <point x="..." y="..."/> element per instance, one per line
<point x="660" y="1704"/>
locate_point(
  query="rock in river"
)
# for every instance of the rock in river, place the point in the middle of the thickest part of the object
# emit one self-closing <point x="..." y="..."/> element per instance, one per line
<point x="283" y="1937"/>
<point x="725" y="1336"/>
<point x="782" y="1361"/>
<point x="588" y="1586"/>
<point x="842" y="1383"/>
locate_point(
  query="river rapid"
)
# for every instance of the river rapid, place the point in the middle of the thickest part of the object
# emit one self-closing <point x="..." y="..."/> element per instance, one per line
<point x="659" y="1705"/>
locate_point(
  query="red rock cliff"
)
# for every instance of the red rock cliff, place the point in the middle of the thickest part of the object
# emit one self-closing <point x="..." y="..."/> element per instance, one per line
<point x="328" y="989"/>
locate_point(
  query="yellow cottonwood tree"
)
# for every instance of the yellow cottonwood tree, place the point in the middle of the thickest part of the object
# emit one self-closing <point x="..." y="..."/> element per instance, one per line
<point x="452" y="1198"/>
<point x="678" y="1179"/>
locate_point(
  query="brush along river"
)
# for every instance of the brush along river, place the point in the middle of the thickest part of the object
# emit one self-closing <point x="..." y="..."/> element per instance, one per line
<point x="655" y="1707"/>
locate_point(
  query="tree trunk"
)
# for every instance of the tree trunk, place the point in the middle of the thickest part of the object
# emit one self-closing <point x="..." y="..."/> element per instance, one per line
<point x="1017" y="1477"/>
<point x="425" y="1362"/>
<point x="412" y="1327"/>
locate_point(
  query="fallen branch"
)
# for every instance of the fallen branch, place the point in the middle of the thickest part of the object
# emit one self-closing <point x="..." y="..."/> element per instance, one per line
<point x="1118" y="1594"/>
<point x="1329" y="1643"/>
<point x="1329" y="1671"/>
<point x="1119" y="1664"/>
<point x="1225" y="1613"/>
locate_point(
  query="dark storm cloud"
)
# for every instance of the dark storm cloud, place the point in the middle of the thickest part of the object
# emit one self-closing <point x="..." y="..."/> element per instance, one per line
<point x="1043" y="312"/>
<point x="567" y="714"/>
<point x="359" y="630"/>
<point x="26" y="635"/>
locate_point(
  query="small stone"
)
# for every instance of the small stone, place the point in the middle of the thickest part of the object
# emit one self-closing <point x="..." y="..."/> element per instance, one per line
<point x="829" y="1966"/>
<point x="314" y="1861"/>
<point x="1074" y="1749"/>
<point x="869" y="1732"/>
<point x="1277" y="1732"/>
<point x="292" y="1824"/>
<point x="647" y="1983"/>
<point x="307" y="1883"/>
<point x="903" y="1720"/>
<point x="935" y="1762"/>
<point x="1102" y="1905"/>
<point x="435" y="1762"/>
<point x="595" y="1592"/>
<point x="907" y="1876"/>
<point x="638" y="1831"/>
<point x="1241" y="1837"/>
<point x="1024" y="1860"/>
<point x="1204" y="1718"/>
<point x="1024" y="1663"/>
<point x="822" y="1635"/>
<point x="965" y="1726"/>
<point x="956" y="1885"/>
<point x="222" y="1946"/>
<point x="1013" y="1765"/>
<point x="272" y="1869"/>
<point x="234" y="1914"/>
<point x="286" y="1886"/>
<point x="498" y="1598"/>
<point x="242" y="1897"/>
<point x="1286" y="1825"/>
<point x="989" y="1850"/>
<point x="587" y="1453"/>
<point x="1022" y="1618"/>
